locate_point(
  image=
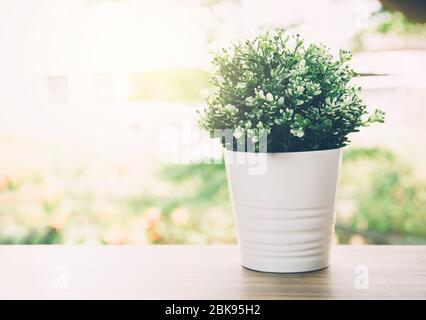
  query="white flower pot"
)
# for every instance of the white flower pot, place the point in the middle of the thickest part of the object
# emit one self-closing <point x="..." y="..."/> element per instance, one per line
<point x="284" y="205"/>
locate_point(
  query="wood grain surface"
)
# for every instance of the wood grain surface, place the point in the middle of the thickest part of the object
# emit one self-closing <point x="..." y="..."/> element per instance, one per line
<point x="204" y="272"/>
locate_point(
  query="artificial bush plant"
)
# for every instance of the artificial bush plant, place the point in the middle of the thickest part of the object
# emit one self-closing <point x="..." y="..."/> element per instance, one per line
<point x="298" y="94"/>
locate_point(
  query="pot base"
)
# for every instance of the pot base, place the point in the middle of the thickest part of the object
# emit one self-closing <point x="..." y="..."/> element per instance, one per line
<point x="285" y="266"/>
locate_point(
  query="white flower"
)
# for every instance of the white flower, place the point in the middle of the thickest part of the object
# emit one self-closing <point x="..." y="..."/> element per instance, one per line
<point x="316" y="89"/>
<point x="241" y="85"/>
<point x="255" y="139"/>
<point x="281" y="101"/>
<point x="297" y="132"/>
<point x="330" y="102"/>
<point x="250" y="101"/>
<point x="238" y="132"/>
<point x="251" y="133"/>
<point x="230" y="108"/>
<point x="269" y="97"/>
<point x="220" y="80"/>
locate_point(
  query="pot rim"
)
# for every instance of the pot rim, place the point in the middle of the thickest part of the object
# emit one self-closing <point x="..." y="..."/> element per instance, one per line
<point x="285" y="152"/>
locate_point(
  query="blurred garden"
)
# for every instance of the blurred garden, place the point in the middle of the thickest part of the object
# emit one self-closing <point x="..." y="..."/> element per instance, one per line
<point x="381" y="200"/>
<point x="86" y="169"/>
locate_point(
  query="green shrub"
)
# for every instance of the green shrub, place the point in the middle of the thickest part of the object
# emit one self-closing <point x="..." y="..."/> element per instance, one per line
<point x="397" y="23"/>
<point x="296" y="95"/>
<point x="389" y="201"/>
<point x="380" y="198"/>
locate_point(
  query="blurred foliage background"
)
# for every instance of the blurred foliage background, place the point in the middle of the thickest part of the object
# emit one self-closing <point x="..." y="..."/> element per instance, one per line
<point x="85" y="108"/>
<point x="380" y="201"/>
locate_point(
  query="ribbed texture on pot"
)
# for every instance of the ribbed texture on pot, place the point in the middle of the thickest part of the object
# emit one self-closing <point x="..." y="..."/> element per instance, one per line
<point x="285" y="216"/>
<point x="285" y="239"/>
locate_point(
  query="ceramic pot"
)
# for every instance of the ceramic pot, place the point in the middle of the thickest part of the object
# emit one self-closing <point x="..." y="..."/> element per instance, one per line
<point x="284" y="206"/>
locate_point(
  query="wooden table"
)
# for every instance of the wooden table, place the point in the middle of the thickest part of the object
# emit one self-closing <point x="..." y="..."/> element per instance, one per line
<point x="204" y="272"/>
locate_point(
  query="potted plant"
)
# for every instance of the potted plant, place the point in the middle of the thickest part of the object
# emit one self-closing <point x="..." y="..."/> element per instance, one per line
<point x="287" y="107"/>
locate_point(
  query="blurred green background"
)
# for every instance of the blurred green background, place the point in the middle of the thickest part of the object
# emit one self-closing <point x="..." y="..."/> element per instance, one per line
<point x="380" y="201"/>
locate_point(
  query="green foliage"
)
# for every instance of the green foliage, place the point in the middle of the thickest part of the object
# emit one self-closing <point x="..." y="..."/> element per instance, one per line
<point x="380" y="198"/>
<point x="297" y="94"/>
<point x="390" y="23"/>
<point x="388" y="201"/>
<point x="397" y="23"/>
<point x="168" y="85"/>
<point x="199" y="191"/>
<point x="387" y="197"/>
<point x="207" y="181"/>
